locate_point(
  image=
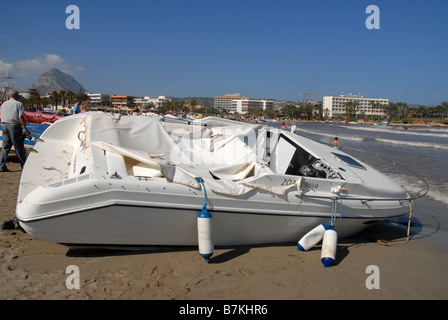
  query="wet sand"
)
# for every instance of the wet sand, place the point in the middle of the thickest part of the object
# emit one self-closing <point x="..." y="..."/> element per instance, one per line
<point x="34" y="269"/>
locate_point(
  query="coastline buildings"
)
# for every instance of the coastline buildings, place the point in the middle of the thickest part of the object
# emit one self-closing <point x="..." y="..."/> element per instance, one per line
<point x="225" y="102"/>
<point x="236" y="103"/>
<point x="334" y="106"/>
<point x="121" y="101"/>
<point x="97" y="98"/>
<point x="248" y="105"/>
<point x="147" y="102"/>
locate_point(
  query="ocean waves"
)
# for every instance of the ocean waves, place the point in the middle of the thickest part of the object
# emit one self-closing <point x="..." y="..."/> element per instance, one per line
<point x="384" y="136"/>
<point x="413" y="184"/>
<point x="407" y="156"/>
<point x="417" y="144"/>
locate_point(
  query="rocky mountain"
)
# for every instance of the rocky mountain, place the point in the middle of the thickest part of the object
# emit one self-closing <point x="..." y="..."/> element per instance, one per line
<point x="56" y="80"/>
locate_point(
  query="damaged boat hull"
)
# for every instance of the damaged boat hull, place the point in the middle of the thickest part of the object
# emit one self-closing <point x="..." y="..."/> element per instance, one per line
<point x="83" y="188"/>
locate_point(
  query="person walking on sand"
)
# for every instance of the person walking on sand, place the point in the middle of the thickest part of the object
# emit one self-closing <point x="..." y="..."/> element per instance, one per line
<point x="13" y="119"/>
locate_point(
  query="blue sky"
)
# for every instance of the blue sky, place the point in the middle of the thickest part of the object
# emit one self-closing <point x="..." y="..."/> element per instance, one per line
<point x="259" y="48"/>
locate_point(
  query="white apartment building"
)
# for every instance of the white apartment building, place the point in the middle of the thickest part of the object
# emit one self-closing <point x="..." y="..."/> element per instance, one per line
<point x="245" y="106"/>
<point x="147" y="101"/>
<point x="96" y="98"/>
<point x="225" y="102"/>
<point x="334" y="106"/>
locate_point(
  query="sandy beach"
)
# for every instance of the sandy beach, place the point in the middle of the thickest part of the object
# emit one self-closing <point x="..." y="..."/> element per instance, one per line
<point x="35" y="269"/>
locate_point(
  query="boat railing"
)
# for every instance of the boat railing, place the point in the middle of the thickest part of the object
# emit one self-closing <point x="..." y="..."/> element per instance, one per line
<point x="367" y="199"/>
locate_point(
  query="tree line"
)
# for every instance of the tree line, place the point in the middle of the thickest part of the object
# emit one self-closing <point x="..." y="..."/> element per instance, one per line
<point x="393" y="111"/>
<point x="56" y="98"/>
<point x="402" y="111"/>
<point x="399" y="111"/>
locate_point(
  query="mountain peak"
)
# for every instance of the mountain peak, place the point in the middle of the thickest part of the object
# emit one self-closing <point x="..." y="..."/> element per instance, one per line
<point x="56" y="80"/>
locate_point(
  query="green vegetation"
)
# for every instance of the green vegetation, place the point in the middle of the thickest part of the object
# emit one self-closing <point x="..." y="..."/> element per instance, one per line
<point x="63" y="98"/>
<point x="395" y="112"/>
<point x="401" y="112"/>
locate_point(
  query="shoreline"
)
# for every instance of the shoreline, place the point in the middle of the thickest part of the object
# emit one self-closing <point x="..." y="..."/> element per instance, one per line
<point x="34" y="269"/>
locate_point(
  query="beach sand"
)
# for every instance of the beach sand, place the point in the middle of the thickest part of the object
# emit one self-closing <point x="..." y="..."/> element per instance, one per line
<point x="34" y="269"/>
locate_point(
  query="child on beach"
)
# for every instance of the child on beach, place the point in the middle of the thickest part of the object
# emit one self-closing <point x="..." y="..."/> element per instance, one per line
<point x="335" y="143"/>
<point x="293" y="128"/>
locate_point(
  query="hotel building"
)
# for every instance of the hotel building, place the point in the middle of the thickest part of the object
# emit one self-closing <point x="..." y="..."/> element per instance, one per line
<point x="147" y="101"/>
<point x="334" y="106"/>
<point x="225" y="102"/>
<point x="97" y="98"/>
<point x="121" y="101"/>
<point x="245" y="106"/>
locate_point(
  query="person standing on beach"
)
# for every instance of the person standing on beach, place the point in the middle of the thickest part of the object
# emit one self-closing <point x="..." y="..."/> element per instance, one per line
<point x="76" y="108"/>
<point x="293" y="128"/>
<point x="13" y="119"/>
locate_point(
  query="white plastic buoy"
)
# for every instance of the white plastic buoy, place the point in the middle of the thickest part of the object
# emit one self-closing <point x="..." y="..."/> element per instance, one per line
<point x="329" y="243"/>
<point x="205" y="234"/>
<point x="311" y="238"/>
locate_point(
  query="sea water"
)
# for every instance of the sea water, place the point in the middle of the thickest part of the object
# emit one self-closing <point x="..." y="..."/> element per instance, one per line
<point x="412" y="156"/>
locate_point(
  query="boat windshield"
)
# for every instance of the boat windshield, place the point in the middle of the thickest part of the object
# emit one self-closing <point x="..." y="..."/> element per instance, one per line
<point x="349" y="160"/>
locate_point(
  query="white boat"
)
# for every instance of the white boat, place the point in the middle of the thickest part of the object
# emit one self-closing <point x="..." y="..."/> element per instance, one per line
<point x="99" y="181"/>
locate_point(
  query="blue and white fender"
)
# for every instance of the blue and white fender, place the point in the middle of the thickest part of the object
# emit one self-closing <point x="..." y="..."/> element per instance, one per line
<point x="311" y="238"/>
<point x="329" y="244"/>
<point x="205" y="234"/>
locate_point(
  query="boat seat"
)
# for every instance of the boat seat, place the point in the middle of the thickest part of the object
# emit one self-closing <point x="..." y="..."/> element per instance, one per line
<point x="144" y="170"/>
<point x="115" y="164"/>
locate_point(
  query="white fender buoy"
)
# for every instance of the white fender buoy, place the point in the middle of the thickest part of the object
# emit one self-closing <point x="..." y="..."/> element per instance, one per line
<point x="329" y="243"/>
<point x="311" y="238"/>
<point x="205" y="234"/>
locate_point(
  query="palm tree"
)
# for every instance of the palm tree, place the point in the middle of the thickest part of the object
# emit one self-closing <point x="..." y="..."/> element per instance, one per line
<point x="81" y="96"/>
<point x="421" y="111"/>
<point x="70" y="97"/>
<point x="444" y="105"/>
<point x="401" y="109"/>
<point x="62" y="97"/>
<point x="45" y="102"/>
<point x="34" y="98"/>
<point x="54" y="99"/>
<point x="374" y="107"/>
<point x="291" y="111"/>
<point x="318" y="108"/>
<point x="349" y="109"/>
<point x="440" y="110"/>
<point x="391" y="109"/>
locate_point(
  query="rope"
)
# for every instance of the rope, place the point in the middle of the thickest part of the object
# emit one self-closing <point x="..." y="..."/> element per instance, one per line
<point x="201" y="181"/>
<point x="409" y="221"/>
<point x="388" y="243"/>
<point x="335" y="199"/>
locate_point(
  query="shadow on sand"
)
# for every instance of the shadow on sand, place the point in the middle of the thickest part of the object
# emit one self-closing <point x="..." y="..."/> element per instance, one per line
<point x="384" y="233"/>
